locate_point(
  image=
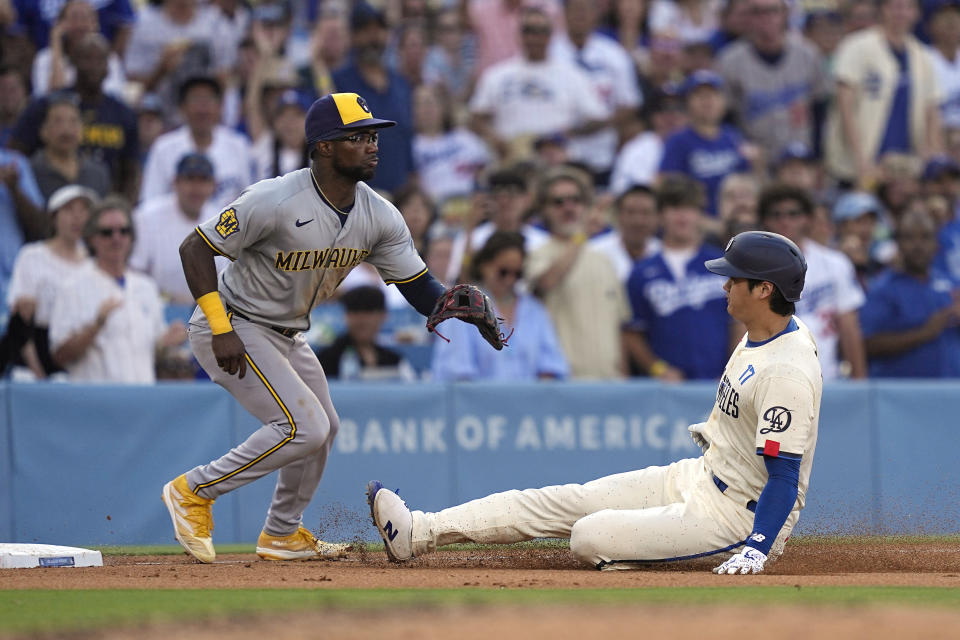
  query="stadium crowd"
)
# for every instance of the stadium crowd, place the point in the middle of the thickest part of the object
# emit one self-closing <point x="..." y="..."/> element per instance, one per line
<point x="578" y="159"/>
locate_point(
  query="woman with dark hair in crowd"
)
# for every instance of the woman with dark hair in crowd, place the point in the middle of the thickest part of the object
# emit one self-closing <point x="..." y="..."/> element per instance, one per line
<point x="39" y="270"/>
<point x="497" y="268"/>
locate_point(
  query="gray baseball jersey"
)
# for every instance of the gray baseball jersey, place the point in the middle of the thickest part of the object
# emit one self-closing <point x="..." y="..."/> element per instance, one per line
<point x="291" y="247"/>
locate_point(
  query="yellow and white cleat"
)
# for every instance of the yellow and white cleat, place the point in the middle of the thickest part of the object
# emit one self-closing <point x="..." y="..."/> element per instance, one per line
<point x="300" y="545"/>
<point x="192" y="518"/>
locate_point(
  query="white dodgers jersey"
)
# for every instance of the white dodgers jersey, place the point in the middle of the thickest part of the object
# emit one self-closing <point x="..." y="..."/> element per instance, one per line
<point x="768" y="403"/>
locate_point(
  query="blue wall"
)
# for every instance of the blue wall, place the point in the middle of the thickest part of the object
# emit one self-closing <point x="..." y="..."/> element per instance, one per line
<point x="84" y="465"/>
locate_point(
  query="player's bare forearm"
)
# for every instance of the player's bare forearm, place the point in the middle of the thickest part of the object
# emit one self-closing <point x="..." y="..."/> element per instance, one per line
<point x="199" y="267"/>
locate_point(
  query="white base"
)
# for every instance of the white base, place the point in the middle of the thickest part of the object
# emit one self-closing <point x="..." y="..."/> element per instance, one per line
<point x="26" y="556"/>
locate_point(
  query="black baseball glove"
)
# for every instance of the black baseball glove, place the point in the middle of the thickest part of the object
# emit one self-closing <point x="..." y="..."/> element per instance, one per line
<point x="466" y="302"/>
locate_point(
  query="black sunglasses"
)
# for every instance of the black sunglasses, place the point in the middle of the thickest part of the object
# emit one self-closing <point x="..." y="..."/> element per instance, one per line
<point x="367" y="138"/>
<point x="106" y="232"/>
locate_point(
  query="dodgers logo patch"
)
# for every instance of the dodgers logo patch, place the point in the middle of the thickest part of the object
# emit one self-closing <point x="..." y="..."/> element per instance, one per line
<point x="228" y="225"/>
<point x="778" y="418"/>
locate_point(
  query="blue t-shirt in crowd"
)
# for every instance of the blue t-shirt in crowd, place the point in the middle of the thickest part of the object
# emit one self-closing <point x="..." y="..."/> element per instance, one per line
<point x="900" y="302"/>
<point x="396" y="143"/>
<point x="897" y="135"/>
<point x="708" y="161"/>
<point x="534" y="349"/>
<point x="685" y="321"/>
<point x="947" y="260"/>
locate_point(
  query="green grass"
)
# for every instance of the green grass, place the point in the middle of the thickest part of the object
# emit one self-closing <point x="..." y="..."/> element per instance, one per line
<point x="32" y="611"/>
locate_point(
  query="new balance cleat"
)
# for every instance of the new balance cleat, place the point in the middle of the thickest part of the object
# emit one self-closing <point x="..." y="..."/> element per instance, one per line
<point x="192" y="518"/>
<point x="392" y="520"/>
<point x="300" y="545"/>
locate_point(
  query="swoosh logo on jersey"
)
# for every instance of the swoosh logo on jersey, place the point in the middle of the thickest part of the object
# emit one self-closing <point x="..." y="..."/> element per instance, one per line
<point x="300" y="224"/>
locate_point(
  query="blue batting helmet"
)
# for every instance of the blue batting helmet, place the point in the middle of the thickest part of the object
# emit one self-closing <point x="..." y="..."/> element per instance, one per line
<point x="761" y="255"/>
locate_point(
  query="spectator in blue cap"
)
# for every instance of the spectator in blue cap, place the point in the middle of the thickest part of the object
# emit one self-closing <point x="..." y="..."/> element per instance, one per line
<point x="858" y="219"/>
<point x="707" y="150"/>
<point x="387" y="93"/>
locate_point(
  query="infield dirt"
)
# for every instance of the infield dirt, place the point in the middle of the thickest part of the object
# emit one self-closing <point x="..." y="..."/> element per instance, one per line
<point x="834" y="563"/>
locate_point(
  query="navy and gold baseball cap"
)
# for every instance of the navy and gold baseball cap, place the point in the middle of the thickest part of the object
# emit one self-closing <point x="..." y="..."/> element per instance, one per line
<point x="336" y="114"/>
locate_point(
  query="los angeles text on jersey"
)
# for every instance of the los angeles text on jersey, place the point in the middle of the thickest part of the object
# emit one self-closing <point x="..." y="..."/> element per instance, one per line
<point x="307" y="259"/>
<point x="727" y="398"/>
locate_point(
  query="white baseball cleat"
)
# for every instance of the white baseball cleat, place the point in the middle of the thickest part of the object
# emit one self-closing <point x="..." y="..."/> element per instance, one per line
<point x="392" y="520"/>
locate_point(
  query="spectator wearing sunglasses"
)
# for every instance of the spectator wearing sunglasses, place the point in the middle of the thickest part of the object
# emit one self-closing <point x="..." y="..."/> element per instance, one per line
<point x="107" y="321"/>
<point x="497" y="268"/>
<point x="578" y="284"/>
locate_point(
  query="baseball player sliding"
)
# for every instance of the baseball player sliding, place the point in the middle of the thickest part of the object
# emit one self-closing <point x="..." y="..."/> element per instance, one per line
<point x="742" y="497"/>
<point x="291" y="241"/>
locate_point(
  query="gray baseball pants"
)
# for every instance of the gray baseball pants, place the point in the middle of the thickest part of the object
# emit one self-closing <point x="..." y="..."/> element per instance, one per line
<point x="286" y="389"/>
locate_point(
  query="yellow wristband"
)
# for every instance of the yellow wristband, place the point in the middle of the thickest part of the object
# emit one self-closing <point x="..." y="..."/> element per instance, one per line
<point x="212" y="307"/>
<point x="658" y="368"/>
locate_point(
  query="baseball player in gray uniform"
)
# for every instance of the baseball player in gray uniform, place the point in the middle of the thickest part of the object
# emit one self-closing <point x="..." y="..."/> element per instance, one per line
<point x="291" y="241"/>
<point x="740" y="499"/>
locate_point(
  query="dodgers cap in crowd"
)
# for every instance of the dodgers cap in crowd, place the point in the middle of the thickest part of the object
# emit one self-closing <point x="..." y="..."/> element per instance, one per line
<point x="336" y="114"/>
<point x="762" y="255"/>
<point x="702" y="78"/>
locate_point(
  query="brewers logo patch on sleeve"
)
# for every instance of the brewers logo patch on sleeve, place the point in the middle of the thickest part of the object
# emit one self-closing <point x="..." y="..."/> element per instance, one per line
<point x="228" y="225"/>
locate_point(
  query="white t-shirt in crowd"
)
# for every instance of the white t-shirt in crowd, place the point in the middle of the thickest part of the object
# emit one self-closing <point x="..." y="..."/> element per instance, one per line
<point x="229" y="152"/>
<point x="114" y="83"/>
<point x="614" y="76"/>
<point x="536" y="98"/>
<point x="637" y="163"/>
<point x="948" y="77"/>
<point x="123" y="350"/>
<point x="448" y="163"/>
<point x="831" y="288"/>
<point x="37" y="274"/>
<point x="611" y="245"/>
<point x="161" y="226"/>
<point x="533" y="238"/>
